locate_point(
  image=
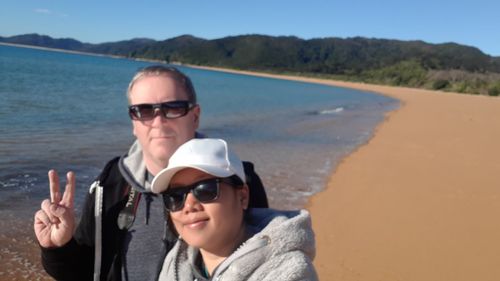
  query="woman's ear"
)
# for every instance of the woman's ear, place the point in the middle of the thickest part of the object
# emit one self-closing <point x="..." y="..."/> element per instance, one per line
<point x="244" y="196"/>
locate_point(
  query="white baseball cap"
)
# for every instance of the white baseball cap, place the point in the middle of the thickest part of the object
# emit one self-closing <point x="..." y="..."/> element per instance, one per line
<point x="211" y="156"/>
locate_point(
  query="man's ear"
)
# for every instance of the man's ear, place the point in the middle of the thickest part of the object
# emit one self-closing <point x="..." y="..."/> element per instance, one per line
<point x="196" y="115"/>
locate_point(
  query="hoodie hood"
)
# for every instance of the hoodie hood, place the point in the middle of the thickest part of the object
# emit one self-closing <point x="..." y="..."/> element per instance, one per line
<point x="286" y="231"/>
<point x="133" y="168"/>
<point x="278" y="234"/>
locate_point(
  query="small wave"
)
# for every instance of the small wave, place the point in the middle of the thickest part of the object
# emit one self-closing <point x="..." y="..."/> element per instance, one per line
<point x="21" y="181"/>
<point x="331" y="111"/>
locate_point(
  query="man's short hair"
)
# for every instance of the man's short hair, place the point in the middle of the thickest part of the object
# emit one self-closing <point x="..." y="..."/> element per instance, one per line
<point x="161" y="70"/>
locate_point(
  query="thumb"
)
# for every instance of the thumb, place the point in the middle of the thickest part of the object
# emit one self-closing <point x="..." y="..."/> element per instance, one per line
<point x="57" y="210"/>
<point x="65" y="215"/>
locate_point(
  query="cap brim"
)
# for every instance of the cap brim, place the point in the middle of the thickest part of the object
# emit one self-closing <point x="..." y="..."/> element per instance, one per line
<point x="162" y="180"/>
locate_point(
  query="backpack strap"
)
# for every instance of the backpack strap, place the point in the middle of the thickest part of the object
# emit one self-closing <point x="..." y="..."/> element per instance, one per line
<point x="98" y="189"/>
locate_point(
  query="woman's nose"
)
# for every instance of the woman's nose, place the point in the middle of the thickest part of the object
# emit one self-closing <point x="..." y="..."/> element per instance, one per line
<point x="191" y="203"/>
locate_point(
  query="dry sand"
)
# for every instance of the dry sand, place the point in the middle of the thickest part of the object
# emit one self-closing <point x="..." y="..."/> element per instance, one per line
<point x="421" y="200"/>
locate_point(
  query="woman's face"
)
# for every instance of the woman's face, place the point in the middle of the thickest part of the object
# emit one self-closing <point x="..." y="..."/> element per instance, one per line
<point x="217" y="226"/>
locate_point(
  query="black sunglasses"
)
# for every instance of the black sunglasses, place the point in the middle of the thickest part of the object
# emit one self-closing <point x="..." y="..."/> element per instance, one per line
<point x="204" y="191"/>
<point x="169" y="110"/>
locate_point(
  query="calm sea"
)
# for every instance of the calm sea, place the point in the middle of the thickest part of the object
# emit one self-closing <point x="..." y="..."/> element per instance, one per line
<point x="69" y="112"/>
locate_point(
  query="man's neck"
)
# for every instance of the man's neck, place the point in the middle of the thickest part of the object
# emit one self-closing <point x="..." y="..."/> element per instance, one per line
<point x="154" y="167"/>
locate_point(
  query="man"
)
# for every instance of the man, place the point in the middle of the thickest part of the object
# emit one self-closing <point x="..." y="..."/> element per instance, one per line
<point x="122" y="227"/>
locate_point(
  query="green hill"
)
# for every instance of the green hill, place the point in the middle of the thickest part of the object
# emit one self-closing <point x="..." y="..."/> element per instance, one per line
<point x="449" y="66"/>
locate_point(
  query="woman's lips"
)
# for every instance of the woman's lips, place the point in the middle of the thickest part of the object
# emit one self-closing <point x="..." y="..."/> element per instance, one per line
<point x="196" y="224"/>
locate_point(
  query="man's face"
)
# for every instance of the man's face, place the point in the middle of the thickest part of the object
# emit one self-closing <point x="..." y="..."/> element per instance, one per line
<point x="160" y="137"/>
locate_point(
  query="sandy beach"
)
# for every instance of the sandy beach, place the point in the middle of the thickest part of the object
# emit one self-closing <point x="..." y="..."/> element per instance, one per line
<point x="420" y="201"/>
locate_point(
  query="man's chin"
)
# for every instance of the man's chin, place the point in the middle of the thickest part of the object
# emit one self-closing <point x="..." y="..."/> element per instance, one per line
<point x="162" y="149"/>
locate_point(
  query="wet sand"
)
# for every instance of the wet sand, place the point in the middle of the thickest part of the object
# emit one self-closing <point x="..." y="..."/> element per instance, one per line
<point x="19" y="253"/>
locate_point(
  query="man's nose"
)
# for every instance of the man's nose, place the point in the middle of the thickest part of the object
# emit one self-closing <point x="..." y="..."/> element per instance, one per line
<point x="158" y="118"/>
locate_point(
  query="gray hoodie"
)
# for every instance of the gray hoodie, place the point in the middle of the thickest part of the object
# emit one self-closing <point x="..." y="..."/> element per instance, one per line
<point x="283" y="249"/>
<point x="145" y="235"/>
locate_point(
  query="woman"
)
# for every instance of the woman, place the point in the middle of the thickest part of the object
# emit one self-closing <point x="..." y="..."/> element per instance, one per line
<point x="205" y="194"/>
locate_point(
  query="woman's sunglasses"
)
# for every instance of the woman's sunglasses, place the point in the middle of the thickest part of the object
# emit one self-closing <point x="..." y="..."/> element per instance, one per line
<point x="169" y="110"/>
<point x="204" y="191"/>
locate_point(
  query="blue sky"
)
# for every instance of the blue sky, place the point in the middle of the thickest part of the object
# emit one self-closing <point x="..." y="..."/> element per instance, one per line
<point x="473" y="23"/>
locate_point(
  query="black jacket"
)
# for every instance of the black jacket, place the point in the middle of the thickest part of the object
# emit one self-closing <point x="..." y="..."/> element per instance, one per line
<point x="75" y="260"/>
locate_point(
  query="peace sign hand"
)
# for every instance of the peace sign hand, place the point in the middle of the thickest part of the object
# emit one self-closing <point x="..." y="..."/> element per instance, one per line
<point x="55" y="223"/>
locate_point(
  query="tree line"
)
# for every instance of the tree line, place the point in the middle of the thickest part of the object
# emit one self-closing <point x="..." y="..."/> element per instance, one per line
<point x="446" y="67"/>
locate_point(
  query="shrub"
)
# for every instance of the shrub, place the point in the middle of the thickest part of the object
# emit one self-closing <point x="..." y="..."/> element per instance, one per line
<point x="440" y="84"/>
<point x="494" y="90"/>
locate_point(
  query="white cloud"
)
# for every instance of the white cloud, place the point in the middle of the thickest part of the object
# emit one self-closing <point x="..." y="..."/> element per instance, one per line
<point x="43" y="11"/>
<point x="49" y="12"/>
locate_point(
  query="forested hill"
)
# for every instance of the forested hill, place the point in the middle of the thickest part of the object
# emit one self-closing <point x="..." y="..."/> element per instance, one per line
<point x="446" y="66"/>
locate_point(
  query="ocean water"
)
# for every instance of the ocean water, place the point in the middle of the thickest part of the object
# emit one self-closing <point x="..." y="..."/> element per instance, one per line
<point x="69" y="112"/>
